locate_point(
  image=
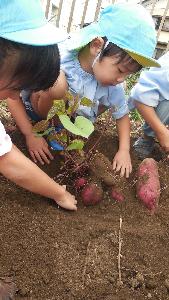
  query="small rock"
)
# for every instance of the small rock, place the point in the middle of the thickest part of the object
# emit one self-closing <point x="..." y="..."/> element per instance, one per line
<point x="111" y="279"/>
<point x="167" y="284"/>
<point x="140" y="277"/>
<point x="151" y="284"/>
<point x="134" y="283"/>
<point x="149" y="296"/>
<point x="24" y="291"/>
<point x="46" y="279"/>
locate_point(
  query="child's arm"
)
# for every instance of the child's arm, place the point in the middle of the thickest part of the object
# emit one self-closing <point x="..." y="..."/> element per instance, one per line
<point x="122" y="160"/>
<point x="155" y="123"/>
<point x="37" y="146"/>
<point x="18" y="168"/>
<point x="43" y="100"/>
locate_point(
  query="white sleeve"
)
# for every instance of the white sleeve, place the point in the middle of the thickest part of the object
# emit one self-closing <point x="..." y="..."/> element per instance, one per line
<point x="152" y="86"/>
<point x="5" y="141"/>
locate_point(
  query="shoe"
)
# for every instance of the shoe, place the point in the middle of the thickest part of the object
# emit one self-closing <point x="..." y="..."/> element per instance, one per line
<point x="144" y="147"/>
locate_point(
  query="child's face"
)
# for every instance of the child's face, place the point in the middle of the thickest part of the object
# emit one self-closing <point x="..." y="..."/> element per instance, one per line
<point x="109" y="71"/>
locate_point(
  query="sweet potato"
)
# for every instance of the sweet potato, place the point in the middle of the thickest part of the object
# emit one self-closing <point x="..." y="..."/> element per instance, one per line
<point x="80" y="183"/>
<point x="101" y="167"/>
<point x="148" y="184"/>
<point x="117" y="194"/>
<point x="91" y="194"/>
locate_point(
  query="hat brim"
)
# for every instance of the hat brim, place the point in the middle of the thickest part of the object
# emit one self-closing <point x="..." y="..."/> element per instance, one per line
<point x="142" y="60"/>
<point x="81" y="38"/>
<point x="41" y="36"/>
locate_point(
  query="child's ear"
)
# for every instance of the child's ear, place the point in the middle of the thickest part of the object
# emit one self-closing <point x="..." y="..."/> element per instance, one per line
<point x="96" y="46"/>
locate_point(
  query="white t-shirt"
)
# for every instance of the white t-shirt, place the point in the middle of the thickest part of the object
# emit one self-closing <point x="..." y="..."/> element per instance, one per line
<point x="5" y="141"/>
<point x="153" y="85"/>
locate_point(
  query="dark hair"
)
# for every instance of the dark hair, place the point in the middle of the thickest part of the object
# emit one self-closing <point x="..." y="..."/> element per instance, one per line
<point x="29" y="67"/>
<point x="113" y="49"/>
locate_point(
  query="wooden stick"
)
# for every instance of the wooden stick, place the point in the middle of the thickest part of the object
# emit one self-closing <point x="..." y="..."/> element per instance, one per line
<point x="120" y="282"/>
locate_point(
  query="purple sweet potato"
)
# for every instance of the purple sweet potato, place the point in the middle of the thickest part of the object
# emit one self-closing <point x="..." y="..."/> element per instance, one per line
<point x="117" y="194"/>
<point x="148" y="184"/>
<point x="80" y="183"/>
<point x="92" y="194"/>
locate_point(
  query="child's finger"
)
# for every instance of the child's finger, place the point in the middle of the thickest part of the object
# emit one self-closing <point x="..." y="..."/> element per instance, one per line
<point x="48" y="153"/>
<point x="127" y="172"/>
<point x="114" y="164"/>
<point x="44" y="157"/>
<point x="33" y="157"/>
<point x="122" y="171"/>
<point x="118" y="167"/>
<point x="130" y="168"/>
<point x="37" y="155"/>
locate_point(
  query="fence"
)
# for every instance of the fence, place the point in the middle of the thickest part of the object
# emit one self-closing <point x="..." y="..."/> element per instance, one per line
<point x="55" y="8"/>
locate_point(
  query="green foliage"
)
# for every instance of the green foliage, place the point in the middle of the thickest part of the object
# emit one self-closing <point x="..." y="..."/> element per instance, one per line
<point x="58" y="108"/>
<point x="76" y="145"/>
<point x="135" y="115"/>
<point x="40" y="126"/>
<point x="131" y="81"/>
<point x="86" y="102"/>
<point x="81" y="126"/>
<point x="65" y="109"/>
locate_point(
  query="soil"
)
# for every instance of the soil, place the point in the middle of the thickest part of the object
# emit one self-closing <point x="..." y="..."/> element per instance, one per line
<point x="52" y="254"/>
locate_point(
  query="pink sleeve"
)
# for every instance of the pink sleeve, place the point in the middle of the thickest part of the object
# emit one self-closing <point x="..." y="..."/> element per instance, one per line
<point x="5" y="141"/>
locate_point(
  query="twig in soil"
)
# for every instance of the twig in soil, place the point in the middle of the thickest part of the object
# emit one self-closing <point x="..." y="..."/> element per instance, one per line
<point x="120" y="282"/>
<point x="85" y="265"/>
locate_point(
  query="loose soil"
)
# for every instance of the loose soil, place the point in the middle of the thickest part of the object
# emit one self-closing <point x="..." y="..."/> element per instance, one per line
<point x="53" y="254"/>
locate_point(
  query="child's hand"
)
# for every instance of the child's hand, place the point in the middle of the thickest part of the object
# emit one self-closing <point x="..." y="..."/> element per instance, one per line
<point x="67" y="201"/>
<point x="122" y="163"/>
<point x="164" y="140"/>
<point x="38" y="149"/>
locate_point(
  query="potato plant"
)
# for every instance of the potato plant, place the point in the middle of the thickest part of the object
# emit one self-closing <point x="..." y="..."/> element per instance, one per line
<point x="63" y="135"/>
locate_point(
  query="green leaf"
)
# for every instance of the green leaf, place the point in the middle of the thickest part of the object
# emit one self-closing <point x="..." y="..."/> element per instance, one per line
<point x="73" y="106"/>
<point x="82" y="126"/>
<point x="86" y="102"/>
<point x="69" y="97"/>
<point x="69" y="111"/>
<point x="85" y="125"/>
<point x="76" y="145"/>
<point x="40" y="126"/>
<point x="57" y="109"/>
<point x="46" y="132"/>
<point x="58" y="136"/>
<point x="63" y="137"/>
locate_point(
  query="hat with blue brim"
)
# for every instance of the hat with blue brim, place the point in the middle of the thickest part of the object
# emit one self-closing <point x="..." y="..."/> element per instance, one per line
<point x="129" y="26"/>
<point x="24" y="21"/>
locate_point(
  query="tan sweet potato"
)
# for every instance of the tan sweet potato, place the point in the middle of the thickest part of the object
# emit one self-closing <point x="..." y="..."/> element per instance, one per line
<point x="101" y="167"/>
<point x="148" y="184"/>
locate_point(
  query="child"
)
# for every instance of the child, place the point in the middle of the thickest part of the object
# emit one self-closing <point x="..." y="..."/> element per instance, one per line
<point x="94" y="63"/>
<point x="151" y="95"/>
<point x="23" y="67"/>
